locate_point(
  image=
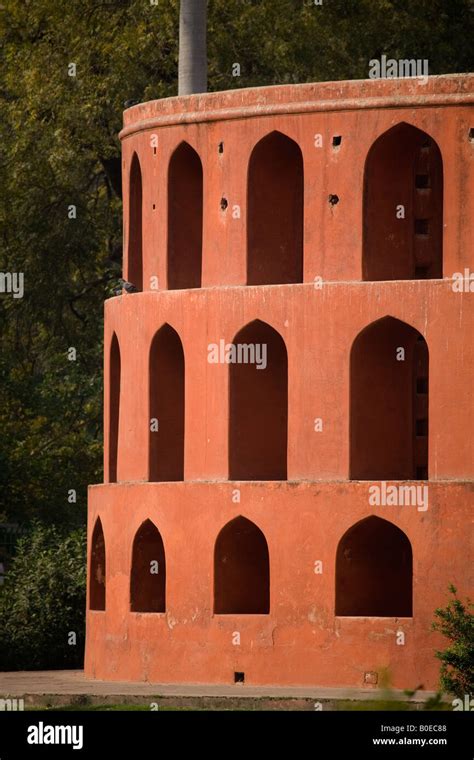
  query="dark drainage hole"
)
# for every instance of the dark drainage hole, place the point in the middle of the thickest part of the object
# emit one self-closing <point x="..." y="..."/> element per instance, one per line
<point x="333" y="199"/>
<point x="239" y="677"/>
<point x="221" y="147"/>
<point x="421" y="428"/>
<point x="422" y="227"/>
<point x="224" y="204"/>
<point x="422" y="385"/>
<point x="336" y="140"/>
<point x="422" y="181"/>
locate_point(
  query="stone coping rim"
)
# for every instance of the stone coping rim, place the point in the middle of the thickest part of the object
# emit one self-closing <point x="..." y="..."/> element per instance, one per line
<point x="290" y="483"/>
<point x="254" y="102"/>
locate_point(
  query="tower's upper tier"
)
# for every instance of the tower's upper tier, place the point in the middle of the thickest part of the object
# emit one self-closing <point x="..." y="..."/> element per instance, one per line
<point x="358" y="180"/>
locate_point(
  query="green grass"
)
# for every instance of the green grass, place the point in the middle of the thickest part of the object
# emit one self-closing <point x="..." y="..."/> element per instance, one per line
<point x="386" y="705"/>
<point x="115" y="708"/>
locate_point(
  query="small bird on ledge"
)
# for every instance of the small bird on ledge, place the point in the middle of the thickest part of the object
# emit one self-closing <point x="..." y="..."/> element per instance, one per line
<point x="129" y="287"/>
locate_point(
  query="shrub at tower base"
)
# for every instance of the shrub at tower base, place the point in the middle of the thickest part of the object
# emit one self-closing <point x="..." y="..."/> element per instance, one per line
<point x="456" y="622"/>
<point x="42" y="602"/>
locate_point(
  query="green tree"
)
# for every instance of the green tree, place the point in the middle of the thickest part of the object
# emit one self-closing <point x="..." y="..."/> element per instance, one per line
<point x="456" y="623"/>
<point x="42" y="602"/>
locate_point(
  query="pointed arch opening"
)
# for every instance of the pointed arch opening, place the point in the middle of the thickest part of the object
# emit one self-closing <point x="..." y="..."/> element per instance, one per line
<point x="97" y="570"/>
<point x="403" y="207"/>
<point x="374" y="571"/>
<point x="241" y="570"/>
<point x="114" y="406"/>
<point x="135" y="230"/>
<point x="258" y="404"/>
<point x="185" y="208"/>
<point x="166" y="406"/>
<point x="148" y="574"/>
<point x="275" y="198"/>
<point x="389" y="384"/>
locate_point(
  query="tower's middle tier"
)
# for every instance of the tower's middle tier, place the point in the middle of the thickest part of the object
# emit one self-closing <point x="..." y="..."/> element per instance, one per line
<point x="361" y="380"/>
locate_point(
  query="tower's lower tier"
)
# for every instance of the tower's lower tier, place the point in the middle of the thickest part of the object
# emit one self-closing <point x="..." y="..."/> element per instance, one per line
<point x="308" y="589"/>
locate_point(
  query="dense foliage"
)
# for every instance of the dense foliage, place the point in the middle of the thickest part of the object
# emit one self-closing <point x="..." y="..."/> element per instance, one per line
<point x="456" y="623"/>
<point x="42" y="602"/>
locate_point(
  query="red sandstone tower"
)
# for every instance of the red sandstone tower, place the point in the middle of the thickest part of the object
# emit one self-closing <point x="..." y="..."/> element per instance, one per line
<point x="289" y="449"/>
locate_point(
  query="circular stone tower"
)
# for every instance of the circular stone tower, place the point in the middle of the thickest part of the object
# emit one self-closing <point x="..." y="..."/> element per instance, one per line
<point x="288" y="403"/>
